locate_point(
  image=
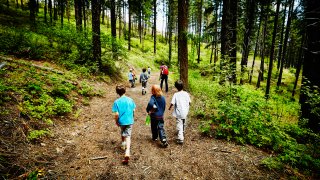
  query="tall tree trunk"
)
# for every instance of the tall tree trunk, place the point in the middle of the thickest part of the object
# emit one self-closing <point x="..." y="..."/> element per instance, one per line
<point x="215" y="58"/>
<point x="199" y="29"/>
<point x="17" y="4"/>
<point x="21" y="4"/>
<point x="96" y="43"/>
<point x="140" y="25"/>
<point x="68" y="10"/>
<point x="78" y="14"/>
<point x="183" y="6"/>
<point x="113" y="29"/>
<point x="281" y="35"/>
<point x="256" y="46"/>
<point x="299" y="65"/>
<point x="129" y="28"/>
<point x="229" y="38"/>
<point x="50" y="11"/>
<point x="103" y="13"/>
<point x="154" y="26"/>
<point x="32" y="8"/>
<point x="84" y="15"/>
<point x="45" y="10"/>
<point x="37" y="6"/>
<point x="249" y="20"/>
<point x="170" y="28"/>
<point x="124" y="18"/>
<point x="285" y="42"/>
<point x="311" y="73"/>
<point x="261" y="71"/>
<point x="55" y="10"/>
<point x="61" y="11"/>
<point x="107" y="17"/>
<point x="119" y="17"/>
<point x="274" y="34"/>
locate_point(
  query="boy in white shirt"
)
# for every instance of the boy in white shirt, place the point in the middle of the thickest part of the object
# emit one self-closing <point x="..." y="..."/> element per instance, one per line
<point x="181" y="102"/>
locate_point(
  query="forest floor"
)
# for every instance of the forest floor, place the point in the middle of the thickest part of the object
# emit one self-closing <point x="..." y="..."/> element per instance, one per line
<point x="89" y="147"/>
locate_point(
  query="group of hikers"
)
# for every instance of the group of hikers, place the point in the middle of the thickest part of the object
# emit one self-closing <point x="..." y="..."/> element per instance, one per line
<point x="124" y="108"/>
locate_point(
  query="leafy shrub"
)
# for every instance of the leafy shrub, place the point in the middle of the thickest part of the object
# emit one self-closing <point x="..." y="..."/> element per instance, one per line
<point x="86" y="89"/>
<point x="62" y="106"/>
<point x="22" y="43"/>
<point x="36" y="134"/>
<point x="241" y="114"/>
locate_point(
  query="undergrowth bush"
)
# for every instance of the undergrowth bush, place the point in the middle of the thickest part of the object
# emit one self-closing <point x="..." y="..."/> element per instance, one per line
<point x="241" y="114"/>
<point x="40" y="96"/>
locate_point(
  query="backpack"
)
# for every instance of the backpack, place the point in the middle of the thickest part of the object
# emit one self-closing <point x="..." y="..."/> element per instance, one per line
<point x="144" y="77"/>
<point x="165" y="70"/>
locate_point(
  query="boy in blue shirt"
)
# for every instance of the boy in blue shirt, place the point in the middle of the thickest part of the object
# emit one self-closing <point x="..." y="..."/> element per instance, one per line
<point x="124" y="108"/>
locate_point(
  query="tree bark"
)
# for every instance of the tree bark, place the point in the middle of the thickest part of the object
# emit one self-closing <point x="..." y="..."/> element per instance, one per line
<point x="229" y="39"/>
<point x="21" y="4"/>
<point x="50" y="10"/>
<point x="249" y="20"/>
<point x="170" y="28"/>
<point x="113" y="29"/>
<point x="96" y="43"/>
<point x="32" y="8"/>
<point x="55" y="10"/>
<point x="45" y="10"/>
<point x="68" y="10"/>
<point x="154" y="26"/>
<point x="285" y="43"/>
<point x="215" y="58"/>
<point x="299" y="65"/>
<point x="281" y="35"/>
<point x="183" y="41"/>
<point x="261" y="71"/>
<point x="85" y="15"/>
<point x="78" y="14"/>
<point x="199" y="29"/>
<point x="256" y="47"/>
<point x="61" y="12"/>
<point x="129" y="28"/>
<point x="119" y="17"/>
<point x="274" y="34"/>
<point x="311" y="73"/>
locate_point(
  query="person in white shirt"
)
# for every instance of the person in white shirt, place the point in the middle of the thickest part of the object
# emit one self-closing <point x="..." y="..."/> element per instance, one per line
<point x="181" y="102"/>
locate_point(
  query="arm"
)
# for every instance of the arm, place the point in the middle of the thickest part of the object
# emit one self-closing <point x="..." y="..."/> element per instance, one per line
<point x="170" y="106"/>
<point x="116" y="118"/>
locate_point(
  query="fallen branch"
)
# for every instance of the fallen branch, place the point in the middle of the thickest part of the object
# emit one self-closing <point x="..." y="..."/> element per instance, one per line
<point x="225" y="151"/>
<point x="97" y="158"/>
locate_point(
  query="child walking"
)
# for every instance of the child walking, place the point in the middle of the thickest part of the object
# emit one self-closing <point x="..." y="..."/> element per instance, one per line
<point x="124" y="108"/>
<point x="131" y="76"/>
<point x="181" y="102"/>
<point x="156" y="108"/>
<point x="144" y="79"/>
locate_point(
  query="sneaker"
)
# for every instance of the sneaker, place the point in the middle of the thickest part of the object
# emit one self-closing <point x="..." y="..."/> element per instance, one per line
<point x="154" y="139"/>
<point x="125" y="161"/>
<point x="165" y="143"/>
<point x="179" y="141"/>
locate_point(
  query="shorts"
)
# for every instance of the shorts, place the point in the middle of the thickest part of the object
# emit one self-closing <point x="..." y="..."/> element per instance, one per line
<point x="126" y="130"/>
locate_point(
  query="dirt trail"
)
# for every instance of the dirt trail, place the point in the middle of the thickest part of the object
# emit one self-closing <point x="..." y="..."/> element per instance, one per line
<point x="94" y="134"/>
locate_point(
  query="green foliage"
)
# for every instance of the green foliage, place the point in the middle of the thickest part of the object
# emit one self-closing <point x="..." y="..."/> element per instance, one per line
<point x="40" y="96"/>
<point x="22" y="43"/>
<point x="241" y="114"/>
<point x="86" y="89"/>
<point x="36" y="134"/>
<point x="62" y="106"/>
